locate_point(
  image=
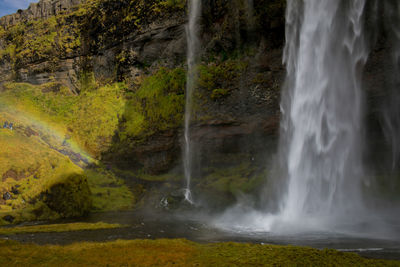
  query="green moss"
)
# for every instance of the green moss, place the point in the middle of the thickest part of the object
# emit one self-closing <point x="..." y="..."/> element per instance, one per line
<point x="38" y="40"/>
<point x="42" y="183"/>
<point x="176" y="253"/>
<point x="109" y="193"/>
<point x="217" y="79"/>
<point x="56" y="228"/>
<point x="95" y="117"/>
<point x="219" y="93"/>
<point x="49" y="120"/>
<point x="69" y="197"/>
<point x="167" y="177"/>
<point x="180" y="4"/>
<point x="91" y="118"/>
<point x="157" y="105"/>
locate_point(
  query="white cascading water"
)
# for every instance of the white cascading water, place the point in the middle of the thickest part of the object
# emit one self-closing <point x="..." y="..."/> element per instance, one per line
<point x="192" y="33"/>
<point x="322" y="108"/>
<point x="322" y="121"/>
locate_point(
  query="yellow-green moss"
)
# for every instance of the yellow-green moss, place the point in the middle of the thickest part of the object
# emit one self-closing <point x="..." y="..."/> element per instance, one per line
<point x="69" y="197"/>
<point x="55" y="117"/>
<point x="216" y="79"/>
<point x="176" y="253"/>
<point x="109" y="192"/>
<point x="43" y="39"/>
<point x="91" y="118"/>
<point x="37" y="166"/>
<point x="56" y="228"/>
<point x="219" y="93"/>
<point x="157" y="105"/>
<point x="167" y="177"/>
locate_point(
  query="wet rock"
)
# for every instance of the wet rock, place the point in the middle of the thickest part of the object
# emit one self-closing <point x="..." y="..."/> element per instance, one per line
<point x="172" y="201"/>
<point x="7" y="196"/>
<point x="9" y="218"/>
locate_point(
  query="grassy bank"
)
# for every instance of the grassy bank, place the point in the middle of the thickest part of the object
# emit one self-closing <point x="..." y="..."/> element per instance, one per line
<point x="57" y="228"/>
<point x="176" y="253"/>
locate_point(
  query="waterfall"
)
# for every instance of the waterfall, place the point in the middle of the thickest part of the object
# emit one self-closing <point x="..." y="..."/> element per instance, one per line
<point x="323" y="109"/>
<point x="192" y="33"/>
<point x="320" y="184"/>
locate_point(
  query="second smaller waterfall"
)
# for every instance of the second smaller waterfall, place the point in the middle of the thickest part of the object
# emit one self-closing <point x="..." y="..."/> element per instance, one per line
<point x="192" y="32"/>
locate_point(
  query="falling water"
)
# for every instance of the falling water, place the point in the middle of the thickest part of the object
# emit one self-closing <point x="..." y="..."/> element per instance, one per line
<point x="323" y="109"/>
<point x="192" y="32"/>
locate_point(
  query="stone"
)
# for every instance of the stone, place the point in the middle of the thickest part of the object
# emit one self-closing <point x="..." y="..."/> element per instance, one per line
<point x="9" y="218"/>
<point x="7" y="196"/>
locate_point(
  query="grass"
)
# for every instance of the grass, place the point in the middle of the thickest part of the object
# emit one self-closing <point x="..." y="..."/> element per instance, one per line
<point x="177" y="252"/>
<point x="56" y="228"/>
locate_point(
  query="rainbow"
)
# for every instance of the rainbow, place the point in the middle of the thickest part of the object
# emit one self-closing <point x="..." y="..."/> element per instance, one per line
<point x="56" y="135"/>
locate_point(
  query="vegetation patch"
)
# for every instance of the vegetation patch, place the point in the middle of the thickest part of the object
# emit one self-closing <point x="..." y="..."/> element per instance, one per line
<point x="157" y="105"/>
<point x="70" y="197"/>
<point x="40" y="40"/>
<point x="178" y="253"/>
<point x="30" y="172"/>
<point x="38" y="179"/>
<point x="109" y="193"/>
<point x="91" y="118"/>
<point x="220" y="76"/>
<point x="43" y="161"/>
<point x="55" y="228"/>
<point x="216" y="81"/>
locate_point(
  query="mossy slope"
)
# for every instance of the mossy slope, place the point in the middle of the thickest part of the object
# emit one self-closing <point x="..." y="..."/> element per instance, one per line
<point x="58" y="135"/>
<point x="34" y="178"/>
<point x="42" y="160"/>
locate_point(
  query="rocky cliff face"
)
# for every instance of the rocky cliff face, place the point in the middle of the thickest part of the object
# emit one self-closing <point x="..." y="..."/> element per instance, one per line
<point x="44" y="9"/>
<point x="139" y="43"/>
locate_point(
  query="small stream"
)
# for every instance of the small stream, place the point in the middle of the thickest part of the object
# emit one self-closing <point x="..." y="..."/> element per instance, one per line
<point x="140" y="225"/>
